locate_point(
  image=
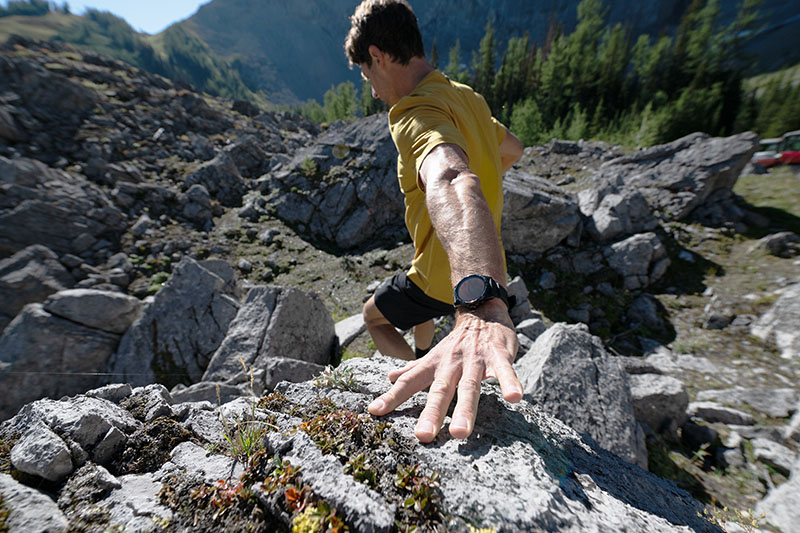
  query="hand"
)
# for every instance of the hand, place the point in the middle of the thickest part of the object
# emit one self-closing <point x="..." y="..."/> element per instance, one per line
<point x="483" y="344"/>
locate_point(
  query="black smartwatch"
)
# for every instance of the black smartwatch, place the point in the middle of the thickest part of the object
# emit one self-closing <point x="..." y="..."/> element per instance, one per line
<point x="473" y="290"/>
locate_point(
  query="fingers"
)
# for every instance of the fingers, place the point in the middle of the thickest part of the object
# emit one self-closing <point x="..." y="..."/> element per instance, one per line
<point x="469" y="392"/>
<point x="408" y="384"/>
<point x="509" y="384"/>
<point x="395" y="374"/>
<point x="439" y="397"/>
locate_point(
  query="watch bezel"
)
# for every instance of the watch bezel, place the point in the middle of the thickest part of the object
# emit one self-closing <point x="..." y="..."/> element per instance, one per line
<point x="471" y="304"/>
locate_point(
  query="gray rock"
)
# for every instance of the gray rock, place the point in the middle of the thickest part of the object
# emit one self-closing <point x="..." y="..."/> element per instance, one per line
<point x="42" y="355"/>
<point x="273" y="322"/>
<point x="531" y="328"/>
<point x="213" y="392"/>
<point x="537" y="215"/>
<point x="522" y="307"/>
<point x="612" y="213"/>
<point x="149" y="402"/>
<point x="221" y="179"/>
<point x="342" y="189"/>
<point x="279" y="369"/>
<point x="782" y="244"/>
<point x="635" y="365"/>
<point x="777" y="403"/>
<point x="773" y="433"/>
<point x="29" y="276"/>
<point x="40" y="452"/>
<point x="781" y="323"/>
<point x="714" y="412"/>
<point x="176" y="335"/>
<point x="689" y="173"/>
<point x="660" y="402"/>
<point x="84" y="420"/>
<point x="136" y="503"/>
<point x="570" y="375"/>
<point x="194" y="460"/>
<point x="109" y="446"/>
<point x="644" y="310"/>
<point x="115" y="392"/>
<point x="349" y="329"/>
<point x="104" y="310"/>
<point x="197" y="205"/>
<point x="142" y="225"/>
<point x="29" y="509"/>
<point x="636" y="259"/>
<point x="776" y="455"/>
<point x="782" y="504"/>
<point x="548" y="476"/>
<point x="793" y="429"/>
<point x="547" y="280"/>
<point x="42" y="205"/>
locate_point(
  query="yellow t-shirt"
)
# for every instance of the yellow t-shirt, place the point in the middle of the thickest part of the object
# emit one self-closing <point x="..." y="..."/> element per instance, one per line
<point x="441" y="111"/>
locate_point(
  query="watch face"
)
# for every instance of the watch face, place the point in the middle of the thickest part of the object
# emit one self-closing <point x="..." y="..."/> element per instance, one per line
<point x="471" y="288"/>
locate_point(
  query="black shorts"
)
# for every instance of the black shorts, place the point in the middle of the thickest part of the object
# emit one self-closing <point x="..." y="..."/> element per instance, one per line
<point x="405" y="305"/>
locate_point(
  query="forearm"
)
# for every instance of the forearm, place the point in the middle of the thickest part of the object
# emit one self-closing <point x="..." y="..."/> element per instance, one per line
<point x="464" y="224"/>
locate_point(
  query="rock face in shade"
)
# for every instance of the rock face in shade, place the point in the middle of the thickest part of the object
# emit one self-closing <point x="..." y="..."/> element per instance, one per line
<point x="570" y="375"/>
<point x="537" y="215"/>
<point x="272" y="323"/>
<point x="521" y="470"/>
<point x="178" y="332"/>
<point x="29" y="276"/>
<point x="42" y="355"/>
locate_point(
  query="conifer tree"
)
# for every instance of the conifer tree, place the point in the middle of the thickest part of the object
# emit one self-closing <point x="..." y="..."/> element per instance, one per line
<point x="455" y="70"/>
<point x="483" y="65"/>
<point x="434" y="54"/>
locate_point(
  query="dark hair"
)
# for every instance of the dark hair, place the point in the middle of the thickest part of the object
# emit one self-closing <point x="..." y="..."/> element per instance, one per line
<point x="388" y="24"/>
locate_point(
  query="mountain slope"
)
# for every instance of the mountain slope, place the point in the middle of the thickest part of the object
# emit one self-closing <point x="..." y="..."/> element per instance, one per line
<point x="296" y="48"/>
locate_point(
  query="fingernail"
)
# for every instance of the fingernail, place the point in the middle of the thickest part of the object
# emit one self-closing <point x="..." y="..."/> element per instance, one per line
<point x="459" y="423"/>
<point x="377" y="405"/>
<point x="426" y="427"/>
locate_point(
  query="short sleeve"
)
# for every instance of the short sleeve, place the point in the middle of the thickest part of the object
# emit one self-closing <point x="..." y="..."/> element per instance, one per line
<point x="499" y="130"/>
<point x="420" y="127"/>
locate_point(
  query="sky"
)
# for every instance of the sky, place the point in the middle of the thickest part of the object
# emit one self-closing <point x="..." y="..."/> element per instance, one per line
<point x="150" y="16"/>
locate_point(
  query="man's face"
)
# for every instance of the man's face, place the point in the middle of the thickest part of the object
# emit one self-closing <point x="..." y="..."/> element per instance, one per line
<point x="373" y="76"/>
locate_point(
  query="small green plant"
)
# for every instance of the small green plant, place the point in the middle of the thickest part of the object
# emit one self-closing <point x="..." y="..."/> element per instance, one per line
<point x="425" y="496"/>
<point x="4" y="513"/>
<point x="698" y="458"/>
<point x="309" y="167"/>
<point x="723" y="517"/>
<point x="245" y="437"/>
<point x="337" y="378"/>
<point x="361" y="470"/>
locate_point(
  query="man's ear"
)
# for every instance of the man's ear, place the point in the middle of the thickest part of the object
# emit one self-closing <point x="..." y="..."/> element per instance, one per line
<point x="375" y="53"/>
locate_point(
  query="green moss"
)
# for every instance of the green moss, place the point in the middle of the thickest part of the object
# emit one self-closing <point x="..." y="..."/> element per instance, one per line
<point x="3" y="516"/>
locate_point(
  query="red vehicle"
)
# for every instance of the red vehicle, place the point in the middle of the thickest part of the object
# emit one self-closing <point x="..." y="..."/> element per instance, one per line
<point x="790" y="148"/>
<point x="769" y="154"/>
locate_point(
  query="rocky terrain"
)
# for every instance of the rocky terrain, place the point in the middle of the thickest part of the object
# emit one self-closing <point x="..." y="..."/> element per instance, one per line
<point x="181" y="345"/>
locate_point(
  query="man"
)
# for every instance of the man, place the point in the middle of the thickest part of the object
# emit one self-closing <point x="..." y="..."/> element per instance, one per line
<point x="452" y="154"/>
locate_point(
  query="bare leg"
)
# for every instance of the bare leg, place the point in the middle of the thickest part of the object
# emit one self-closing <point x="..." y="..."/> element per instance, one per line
<point x="386" y="338"/>
<point x="423" y="335"/>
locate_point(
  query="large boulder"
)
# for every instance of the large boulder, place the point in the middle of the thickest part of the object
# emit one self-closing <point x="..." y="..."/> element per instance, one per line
<point x="342" y="189"/>
<point x="44" y="355"/>
<point x="522" y="470"/>
<point x="221" y="179"/>
<point x="29" y="276"/>
<point x="781" y="323"/>
<point x="571" y="376"/>
<point x="678" y="178"/>
<point x="611" y="212"/>
<point x="113" y="312"/>
<point x="273" y="322"/>
<point x="537" y="215"/>
<point x="781" y="507"/>
<point x="62" y="211"/>
<point x="660" y="402"/>
<point x="176" y="335"/>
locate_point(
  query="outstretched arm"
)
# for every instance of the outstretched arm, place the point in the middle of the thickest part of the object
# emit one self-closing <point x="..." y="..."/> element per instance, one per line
<point x="483" y="342"/>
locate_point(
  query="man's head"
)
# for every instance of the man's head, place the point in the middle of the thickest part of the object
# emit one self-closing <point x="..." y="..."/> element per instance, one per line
<point x="390" y="25"/>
